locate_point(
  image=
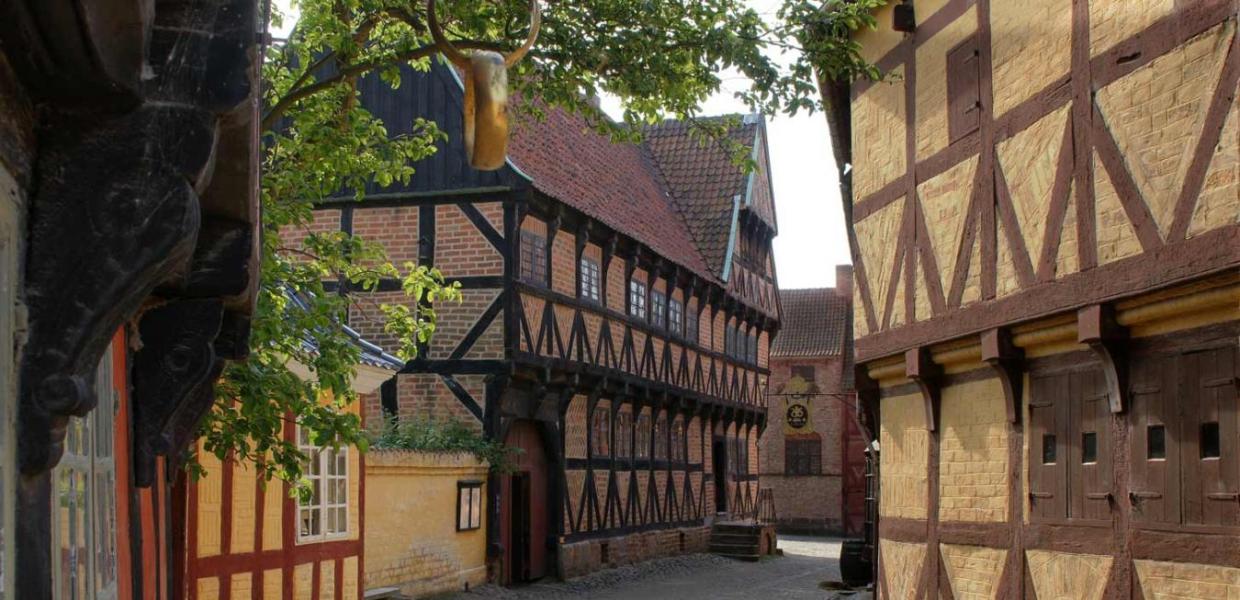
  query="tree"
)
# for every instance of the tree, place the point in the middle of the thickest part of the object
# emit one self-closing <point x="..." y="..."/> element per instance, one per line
<point x="659" y="57"/>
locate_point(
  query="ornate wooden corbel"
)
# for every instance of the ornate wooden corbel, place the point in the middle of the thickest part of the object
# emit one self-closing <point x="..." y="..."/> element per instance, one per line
<point x="1008" y="362"/>
<point x="919" y="367"/>
<point x="868" y="398"/>
<point x="1096" y="327"/>
<point x="169" y="375"/>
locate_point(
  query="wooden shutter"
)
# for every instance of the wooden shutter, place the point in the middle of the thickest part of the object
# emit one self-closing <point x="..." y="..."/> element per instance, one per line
<point x="1089" y="483"/>
<point x="1211" y="493"/>
<point x="1154" y="490"/>
<point x="964" y="102"/>
<point x="1047" y="484"/>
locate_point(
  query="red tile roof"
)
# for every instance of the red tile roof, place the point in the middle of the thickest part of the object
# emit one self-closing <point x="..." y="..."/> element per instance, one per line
<point x="814" y="322"/>
<point x="615" y="183"/>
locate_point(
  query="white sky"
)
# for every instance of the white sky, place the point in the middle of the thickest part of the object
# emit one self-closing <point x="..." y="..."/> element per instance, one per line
<point x="812" y="238"/>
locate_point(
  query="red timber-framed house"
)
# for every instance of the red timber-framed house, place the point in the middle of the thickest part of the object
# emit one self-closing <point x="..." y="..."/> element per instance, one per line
<point x="1044" y="206"/>
<point x="128" y="266"/>
<point x="619" y="302"/>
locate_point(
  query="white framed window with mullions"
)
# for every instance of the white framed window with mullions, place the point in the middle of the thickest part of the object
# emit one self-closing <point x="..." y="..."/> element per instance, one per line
<point x="323" y="513"/>
<point x="468" y="505"/>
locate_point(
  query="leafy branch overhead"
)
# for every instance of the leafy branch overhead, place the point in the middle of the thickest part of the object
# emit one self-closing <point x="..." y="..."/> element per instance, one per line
<point x="657" y="58"/>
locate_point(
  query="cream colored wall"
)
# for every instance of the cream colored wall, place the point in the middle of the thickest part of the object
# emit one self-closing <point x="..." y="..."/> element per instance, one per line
<point x="973" y="453"/>
<point x="904" y="457"/>
<point x="931" y="93"/>
<point x="411" y="538"/>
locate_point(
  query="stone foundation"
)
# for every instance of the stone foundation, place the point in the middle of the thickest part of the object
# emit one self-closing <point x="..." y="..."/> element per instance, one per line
<point x="580" y="558"/>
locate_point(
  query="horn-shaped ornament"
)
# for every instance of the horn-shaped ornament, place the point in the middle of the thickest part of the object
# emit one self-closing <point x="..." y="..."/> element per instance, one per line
<point x="486" y="91"/>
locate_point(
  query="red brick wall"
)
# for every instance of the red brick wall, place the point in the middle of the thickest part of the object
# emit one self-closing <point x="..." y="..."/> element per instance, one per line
<point x="807" y="502"/>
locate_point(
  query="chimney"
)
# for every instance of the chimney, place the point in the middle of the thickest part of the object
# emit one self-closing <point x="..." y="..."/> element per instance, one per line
<point x="844" y="281"/>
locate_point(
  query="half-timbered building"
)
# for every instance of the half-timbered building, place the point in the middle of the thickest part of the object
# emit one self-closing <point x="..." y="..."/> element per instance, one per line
<point x="619" y="301"/>
<point x="1044" y="203"/>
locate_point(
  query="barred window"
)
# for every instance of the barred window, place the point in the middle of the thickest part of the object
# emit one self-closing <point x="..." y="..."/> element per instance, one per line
<point x="675" y="316"/>
<point x="601" y="426"/>
<point x="658" y="309"/>
<point x="589" y="280"/>
<point x="678" y="441"/>
<point x="803" y="456"/>
<point x="324" y="513"/>
<point x="624" y="434"/>
<point x="643" y="436"/>
<point x="533" y="258"/>
<point x="637" y="299"/>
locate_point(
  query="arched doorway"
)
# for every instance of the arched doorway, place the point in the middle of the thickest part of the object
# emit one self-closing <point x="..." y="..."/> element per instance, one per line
<point x="524" y="506"/>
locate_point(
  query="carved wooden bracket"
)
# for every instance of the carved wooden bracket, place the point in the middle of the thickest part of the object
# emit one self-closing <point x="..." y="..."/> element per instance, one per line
<point x="868" y="398"/>
<point x="1096" y="327"/>
<point x="928" y="376"/>
<point x="171" y="377"/>
<point x="1008" y="362"/>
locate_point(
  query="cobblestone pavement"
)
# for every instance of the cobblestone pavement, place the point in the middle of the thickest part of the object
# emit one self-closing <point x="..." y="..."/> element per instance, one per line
<point x="806" y="563"/>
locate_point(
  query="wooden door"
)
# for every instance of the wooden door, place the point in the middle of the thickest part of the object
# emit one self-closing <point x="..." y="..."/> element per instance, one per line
<point x="1047" y="447"/>
<point x="1154" y="441"/>
<point x="719" y="463"/>
<point x="526" y="511"/>
<point x="854" y="474"/>
<point x="1089" y="481"/>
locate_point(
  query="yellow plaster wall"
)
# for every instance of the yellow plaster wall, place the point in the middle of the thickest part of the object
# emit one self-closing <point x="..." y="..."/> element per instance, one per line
<point x="210" y="504"/>
<point x="902" y="566"/>
<point x="1157" y="113"/>
<point x="973" y="572"/>
<point x="1031" y="47"/>
<point x="1219" y="203"/>
<point x="1116" y="238"/>
<point x="1030" y="160"/>
<point x="245" y="490"/>
<point x="1111" y="21"/>
<point x="877" y="236"/>
<point x="879" y="135"/>
<point x="1186" y="581"/>
<point x="903" y="439"/>
<point x="945" y="204"/>
<point x="973" y="453"/>
<point x="931" y="96"/>
<point x="411" y="538"/>
<point x="1066" y="575"/>
<point x="877" y="42"/>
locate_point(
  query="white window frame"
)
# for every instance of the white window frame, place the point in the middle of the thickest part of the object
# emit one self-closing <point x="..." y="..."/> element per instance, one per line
<point x="88" y="492"/>
<point x="591" y="280"/>
<point x="324" y="458"/>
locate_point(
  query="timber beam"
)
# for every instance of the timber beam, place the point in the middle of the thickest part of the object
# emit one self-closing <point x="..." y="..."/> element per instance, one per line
<point x="928" y="376"/>
<point x="1008" y="362"/>
<point x="1097" y="328"/>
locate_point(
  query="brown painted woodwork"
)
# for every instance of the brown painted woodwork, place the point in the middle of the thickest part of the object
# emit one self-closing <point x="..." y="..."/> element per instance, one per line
<point x="1096" y="327"/>
<point x="1089" y="477"/>
<point x="1007" y="362"/>
<point x="1208" y="391"/>
<point x="1047" y="448"/>
<point x="964" y="102"/>
<point x="928" y="377"/>
<point x="525" y="558"/>
<point x="1154" y="492"/>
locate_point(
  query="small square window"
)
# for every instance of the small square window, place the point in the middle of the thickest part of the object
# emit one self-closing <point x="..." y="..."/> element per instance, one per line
<point x="468" y="505"/>
<point x="1156" y="442"/>
<point x="1210" y="440"/>
<point x="590" y="278"/>
<point x="1089" y="447"/>
<point x="1048" y="449"/>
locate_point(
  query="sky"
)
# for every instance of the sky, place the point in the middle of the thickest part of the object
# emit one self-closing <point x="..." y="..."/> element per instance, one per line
<point x="812" y="238"/>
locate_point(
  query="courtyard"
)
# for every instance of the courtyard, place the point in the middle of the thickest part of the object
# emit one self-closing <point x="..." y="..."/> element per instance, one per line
<point x="799" y="573"/>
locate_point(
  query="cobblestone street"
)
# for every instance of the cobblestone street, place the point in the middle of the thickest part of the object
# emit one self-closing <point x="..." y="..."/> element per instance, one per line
<point x="806" y="563"/>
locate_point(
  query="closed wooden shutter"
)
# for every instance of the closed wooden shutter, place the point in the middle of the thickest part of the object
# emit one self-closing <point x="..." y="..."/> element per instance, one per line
<point x="1090" y="483"/>
<point x="964" y="102"/>
<point x="1211" y="434"/>
<point x="1153" y="441"/>
<point x="1047" y="447"/>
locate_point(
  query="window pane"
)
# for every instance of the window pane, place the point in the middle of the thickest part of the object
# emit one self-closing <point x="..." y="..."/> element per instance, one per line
<point x="1048" y="449"/>
<point x="1156" y="442"/>
<point x="1089" y="447"/>
<point x="475" y="508"/>
<point x="1210" y="440"/>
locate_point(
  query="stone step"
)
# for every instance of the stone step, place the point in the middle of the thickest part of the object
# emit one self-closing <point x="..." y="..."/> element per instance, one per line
<point x="726" y="528"/>
<point x="730" y="549"/>
<point x="735" y="538"/>
<point x="749" y="557"/>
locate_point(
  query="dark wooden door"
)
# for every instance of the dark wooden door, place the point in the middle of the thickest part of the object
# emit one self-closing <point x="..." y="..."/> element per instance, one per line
<point x="854" y="474"/>
<point x="719" y="462"/>
<point x="1154" y="441"/>
<point x="525" y="510"/>
<point x="1210" y="464"/>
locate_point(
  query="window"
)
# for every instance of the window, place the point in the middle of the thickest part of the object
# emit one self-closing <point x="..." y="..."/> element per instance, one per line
<point x="738" y="456"/>
<point x="805" y="372"/>
<point x="753" y="348"/>
<point x="678" y="441"/>
<point x="691" y="327"/>
<point x="589" y="280"/>
<point x="324" y="513"/>
<point x="624" y="435"/>
<point x="637" y="299"/>
<point x="1048" y="449"/>
<point x="601" y="429"/>
<point x="675" y="316"/>
<point x="660" y="439"/>
<point x="643" y="436"/>
<point x="803" y="456"/>
<point x="1089" y="448"/>
<point x="964" y="99"/>
<point x="84" y="499"/>
<point x="533" y="259"/>
<point x="729" y="341"/>
<point x="658" y="309"/>
<point x="1156" y="442"/>
<point x="1209" y="442"/>
<point x="468" y="505"/>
